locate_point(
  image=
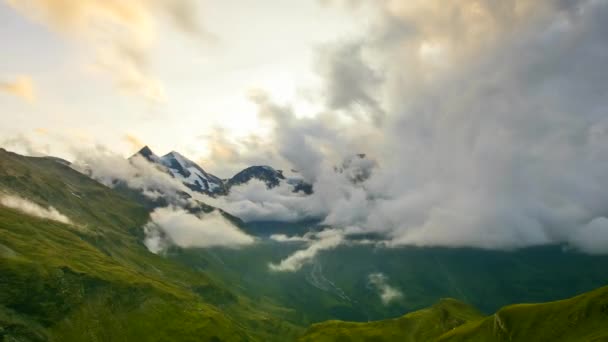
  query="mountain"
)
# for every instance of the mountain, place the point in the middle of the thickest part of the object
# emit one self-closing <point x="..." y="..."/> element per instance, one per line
<point x="336" y="283"/>
<point x="192" y="175"/>
<point x="197" y="179"/>
<point x="423" y="325"/>
<point x="583" y="318"/>
<point x="264" y="173"/>
<point x="271" y="177"/>
<point x="92" y="279"/>
<point x="89" y="277"/>
<point x="356" y="168"/>
<point x="188" y="172"/>
<point x="147" y="153"/>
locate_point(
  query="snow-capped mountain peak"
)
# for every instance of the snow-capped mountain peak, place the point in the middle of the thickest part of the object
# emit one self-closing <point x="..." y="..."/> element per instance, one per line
<point x="185" y="170"/>
<point x="265" y="173"/>
<point x="192" y="175"/>
<point x="197" y="179"/>
<point x="147" y="153"/>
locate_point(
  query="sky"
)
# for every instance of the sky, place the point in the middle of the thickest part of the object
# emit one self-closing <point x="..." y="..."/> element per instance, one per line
<point x="192" y="82"/>
<point x="484" y="123"/>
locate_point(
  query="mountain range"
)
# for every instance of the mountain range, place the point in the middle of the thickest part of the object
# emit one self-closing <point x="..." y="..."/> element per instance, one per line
<point x="197" y="179"/>
<point x="74" y="267"/>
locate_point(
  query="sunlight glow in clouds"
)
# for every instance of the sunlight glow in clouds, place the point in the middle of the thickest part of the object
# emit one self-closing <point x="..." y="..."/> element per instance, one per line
<point x="22" y="86"/>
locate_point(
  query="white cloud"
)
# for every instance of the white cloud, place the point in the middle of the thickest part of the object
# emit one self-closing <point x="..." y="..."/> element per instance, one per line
<point x="188" y="230"/>
<point x="592" y="237"/>
<point x="253" y="201"/>
<point x="285" y="238"/>
<point x="388" y="294"/>
<point x="30" y="208"/>
<point x="137" y="173"/>
<point x="494" y="129"/>
<point x="327" y="239"/>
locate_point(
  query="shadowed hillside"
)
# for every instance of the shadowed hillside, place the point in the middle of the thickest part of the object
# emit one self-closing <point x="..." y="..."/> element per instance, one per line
<point x="92" y="279"/>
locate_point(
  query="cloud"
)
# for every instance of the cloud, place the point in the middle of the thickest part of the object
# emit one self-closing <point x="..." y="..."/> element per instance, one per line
<point x="493" y="133"/>
<point x="285" y="238"/>
<point x="350" y="83"/>
<point x="137" y="173"/>
<point x="30" y="208"/>
<point x="327" y="239"/>
<point x="122" y="33"/>
<point x="26" y="144"/>
<point x="228" y="155"/>
<point x="187" y="230"/>
<point x="135" y="143"/>
<point x="592" y="237"/>
<point x="253" y="201"/>
<point x="388" y="294"/>
<point x="22" y="87"/>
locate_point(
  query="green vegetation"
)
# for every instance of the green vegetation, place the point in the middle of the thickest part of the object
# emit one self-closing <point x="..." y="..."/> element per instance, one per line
<point x="336" y="284"/>
<point x="580" y="319"/>
<point x="94" y="280"/>
<point x="423" y="325"/>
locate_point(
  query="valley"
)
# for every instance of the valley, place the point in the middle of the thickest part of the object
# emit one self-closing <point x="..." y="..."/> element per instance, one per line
<point x="93" y="278"/>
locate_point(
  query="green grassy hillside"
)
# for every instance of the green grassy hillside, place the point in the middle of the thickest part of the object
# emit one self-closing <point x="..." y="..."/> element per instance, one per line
<point x="423" y="325"/>
<point x="578" y="319"/>
<point x="93" y="280"/>
<point x="336" y="284"/>
<point x="583" y="318"/>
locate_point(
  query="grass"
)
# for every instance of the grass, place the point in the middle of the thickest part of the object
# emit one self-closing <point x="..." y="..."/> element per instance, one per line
<point x="423" y="325"/>
<point x="583" y="318"/>
<point x="94" y="279"/>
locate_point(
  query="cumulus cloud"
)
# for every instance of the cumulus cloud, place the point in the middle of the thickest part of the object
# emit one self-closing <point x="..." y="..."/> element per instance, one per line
<point x="388" y="294"/>
<point x="253" y="201"/>
<point x="30" y="208"/>
<point x="494" y="126"/>
<point x="177" y="226"/>
<point x="121" y="32"/>
<point x="22" y="86"/>
<point x="350" y="83"/>
<point x="324" y="240"/>
<point x="493" y="131"/>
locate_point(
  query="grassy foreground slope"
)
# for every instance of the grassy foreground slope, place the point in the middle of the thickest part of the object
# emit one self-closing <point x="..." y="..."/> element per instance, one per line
<point x="582" y="318"/>
<point x="93" y="280"/>
<point x="423" y="325"/>
<point x="578" y="319"/>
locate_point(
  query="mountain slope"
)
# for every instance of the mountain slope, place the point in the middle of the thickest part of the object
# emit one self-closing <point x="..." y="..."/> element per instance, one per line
<point x="192" y="175"/>
<point x="185" y="170"/>
<point x="266" y="174"/>
<point x="93" y="279"/>
<point x="579" y="319"/>
<point x="423" y="325"/>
